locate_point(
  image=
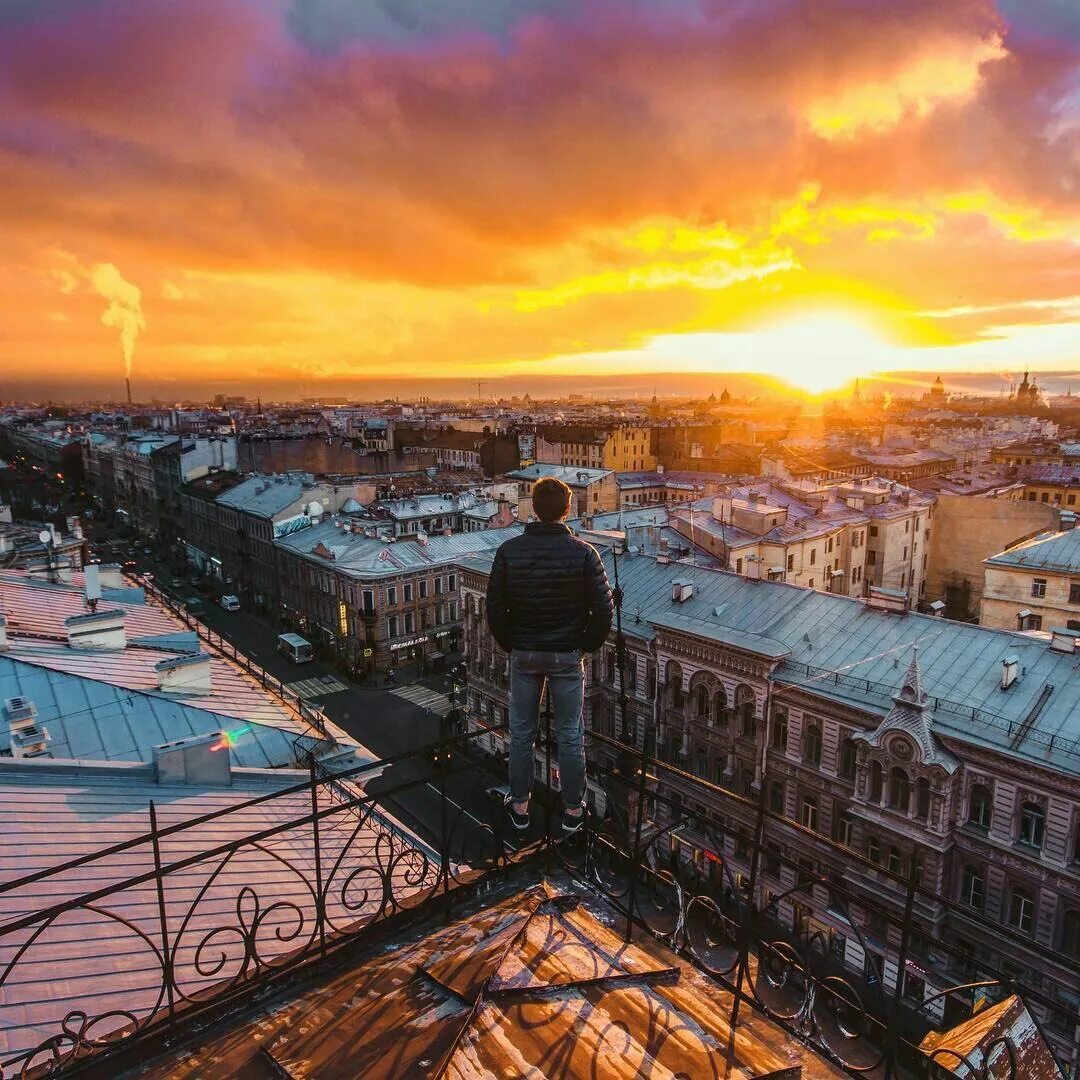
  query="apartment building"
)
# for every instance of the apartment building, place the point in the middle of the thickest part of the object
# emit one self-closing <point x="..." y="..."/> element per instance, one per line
<point x="622" y="448"/>
<point x="1037" y="452"/>
<point x="594" y="490"/>
<point x="662" y="487"/>
<point x="235" y="525"/>
<point x="1055" y="485"/>
<point x="379" y="602"/>
<point x="940" y="752"/>
<point x="1035" y="585"/>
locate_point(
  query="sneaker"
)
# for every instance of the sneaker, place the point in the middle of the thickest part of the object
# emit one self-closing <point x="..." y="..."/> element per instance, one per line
<point x="519" y="821"/>
<point x="572" y="823"/>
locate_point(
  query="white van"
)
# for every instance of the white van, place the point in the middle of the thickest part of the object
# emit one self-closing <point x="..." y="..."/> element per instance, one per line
<point x="296" y="648"/>
<point x="230" y="603"/>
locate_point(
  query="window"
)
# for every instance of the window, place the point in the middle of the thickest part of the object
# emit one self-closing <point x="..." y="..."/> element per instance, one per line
<point x="812" y="745"/>
<point x="808" y="817"/>
<point x="408" y="622"/>
<point x="877" y="781"/>
<point x="1070" y="934"/>
<point x="849" y="757"/>
<point x="845" y="830"/>
<point x="1074" y="592"/>
<point x="391" y="626"/>
<point x="368" y="596"/>
<point x="873" y="530"/>
<point x="421" y="588"/>
<point x="980" y="810"/>
<point x="1021" y="910"/>
<point x="738" y="566"/>
<point x="899" y="789"/>
<point x="873" y="849"/>
<point x="896" y="861"/>
<point x="922" y="798"/>
<point x="720" y="708"/>
<point x="791" y="563"/>
<point x="406" y="591"/>
<point x="391" y="595"/>
<point x="780" y="727"/>
<point x="813" y="556"/>
<point x="776" y="796"/>
<point x="701" y="702"/>
<point x="744" y="710"/>
<point x="1032" y="824"/>
<point x="609" y="658"/>
<point x="871" y="558"/>
<point x="1038" y="587"/>
<point x="451" y="582"/>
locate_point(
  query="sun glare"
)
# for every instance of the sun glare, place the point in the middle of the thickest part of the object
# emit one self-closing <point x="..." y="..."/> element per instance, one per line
<point x="820" y="351"/>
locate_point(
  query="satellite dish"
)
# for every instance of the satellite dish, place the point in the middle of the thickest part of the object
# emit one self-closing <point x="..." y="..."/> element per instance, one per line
<point x="44" y="536"/>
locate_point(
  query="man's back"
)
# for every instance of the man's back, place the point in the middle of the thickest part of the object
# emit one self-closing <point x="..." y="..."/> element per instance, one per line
<point x="548" y="591"/>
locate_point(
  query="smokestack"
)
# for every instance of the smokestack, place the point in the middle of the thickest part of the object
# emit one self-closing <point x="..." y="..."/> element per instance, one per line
<point x="128" y="382"/>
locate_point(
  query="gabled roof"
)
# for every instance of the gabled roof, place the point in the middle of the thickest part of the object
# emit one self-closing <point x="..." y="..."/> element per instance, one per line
<point x="1047" y="551"/>
<point x="911" y="714"/>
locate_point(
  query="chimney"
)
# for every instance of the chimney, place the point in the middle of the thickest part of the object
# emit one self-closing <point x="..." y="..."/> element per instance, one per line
<point x="681" y="591"/>
<point x="111" y="576"/>
<point x="188" y="674"/>
<point x="96" y="630"/>
<point x="1010" y="668"/>
<point x="1068" y="520"/>
<point x="3" y="633"/>
<point x="1063" y="640"/>
<point x="194" y="761"/>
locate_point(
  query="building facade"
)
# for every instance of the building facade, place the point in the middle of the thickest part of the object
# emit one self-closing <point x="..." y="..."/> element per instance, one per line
<point x="822" y="711"/>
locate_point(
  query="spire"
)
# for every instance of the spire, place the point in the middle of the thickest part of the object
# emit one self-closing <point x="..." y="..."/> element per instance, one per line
<point x="911" y="692"/>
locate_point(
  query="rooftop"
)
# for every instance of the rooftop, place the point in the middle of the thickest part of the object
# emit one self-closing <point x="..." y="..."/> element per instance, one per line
<point x="1048" y="551"/>
<point x="568" y="474"/>
<point x="267" y="496"/>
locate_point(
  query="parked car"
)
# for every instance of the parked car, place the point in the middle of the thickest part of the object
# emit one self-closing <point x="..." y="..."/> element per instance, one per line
<point x="194" y="604"/>
<point x="230" y="603"/>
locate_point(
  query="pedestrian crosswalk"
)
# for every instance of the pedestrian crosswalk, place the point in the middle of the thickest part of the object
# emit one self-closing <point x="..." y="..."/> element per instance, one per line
<point x="319" y="686"/>
<point x="425" y="697"/>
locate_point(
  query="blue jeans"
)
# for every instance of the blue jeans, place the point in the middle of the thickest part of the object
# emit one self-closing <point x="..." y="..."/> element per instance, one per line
<point x="564" y="673"/>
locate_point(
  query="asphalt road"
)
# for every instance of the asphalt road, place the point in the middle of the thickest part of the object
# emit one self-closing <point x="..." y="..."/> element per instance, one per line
<point x="388" y="725"/>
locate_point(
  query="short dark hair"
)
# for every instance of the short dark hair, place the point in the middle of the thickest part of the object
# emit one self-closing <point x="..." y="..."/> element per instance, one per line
<point x="551" y="499"/>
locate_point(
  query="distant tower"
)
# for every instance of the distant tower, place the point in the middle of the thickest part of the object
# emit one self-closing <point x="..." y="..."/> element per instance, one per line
<point x="725" y="397"/>
<point x="937" y="391"/>
<point x="856" y="392"/>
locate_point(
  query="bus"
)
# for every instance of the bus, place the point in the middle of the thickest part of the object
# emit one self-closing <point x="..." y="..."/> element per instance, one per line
<point x="296" y="648"/>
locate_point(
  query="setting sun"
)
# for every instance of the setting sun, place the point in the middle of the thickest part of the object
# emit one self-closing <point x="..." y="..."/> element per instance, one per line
<point x="821" y="351"/>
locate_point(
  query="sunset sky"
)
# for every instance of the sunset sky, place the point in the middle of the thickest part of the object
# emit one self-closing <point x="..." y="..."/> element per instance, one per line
<point x="270" y="190"/>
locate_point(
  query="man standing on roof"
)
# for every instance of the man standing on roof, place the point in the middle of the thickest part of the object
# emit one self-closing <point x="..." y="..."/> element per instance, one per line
<point x="548" y="603"/>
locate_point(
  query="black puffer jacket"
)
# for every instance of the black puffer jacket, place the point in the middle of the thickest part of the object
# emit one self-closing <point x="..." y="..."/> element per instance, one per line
<point x="548" y="591"/>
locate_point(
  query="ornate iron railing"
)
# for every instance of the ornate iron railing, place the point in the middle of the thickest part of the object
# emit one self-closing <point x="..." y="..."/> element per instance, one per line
<point x="162" y="928"/>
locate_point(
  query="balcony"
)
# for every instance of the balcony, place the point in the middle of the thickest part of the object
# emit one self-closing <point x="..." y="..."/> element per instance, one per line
<point x="302" y="897"/>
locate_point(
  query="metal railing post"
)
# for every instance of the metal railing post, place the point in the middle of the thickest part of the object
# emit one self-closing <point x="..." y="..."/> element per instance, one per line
<point x="892" y="1035"/>
<point x="751" y="905"/>
<point x="159" y="883"/>
<point x="635" y="855"/>
<point x="320" y="900"/>
<point x="547" y="769"/>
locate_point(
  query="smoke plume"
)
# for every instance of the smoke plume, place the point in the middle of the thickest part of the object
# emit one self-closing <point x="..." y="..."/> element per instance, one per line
<point x="124" y="312"/>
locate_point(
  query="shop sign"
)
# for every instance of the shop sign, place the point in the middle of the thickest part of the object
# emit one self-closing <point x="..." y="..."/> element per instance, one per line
<point x="368" y="652"/>
<point x="407" y="644"/>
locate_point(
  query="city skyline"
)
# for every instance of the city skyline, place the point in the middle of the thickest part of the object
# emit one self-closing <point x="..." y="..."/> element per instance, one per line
<point x="312" y="193"/>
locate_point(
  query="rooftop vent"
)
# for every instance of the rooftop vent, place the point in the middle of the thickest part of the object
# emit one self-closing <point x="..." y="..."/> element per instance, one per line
<point x="1010" y="669"/>
<point x="201" y="759"/>
<point x="881" y="598"/>
<point x="1068" y="520"/>
<point x="96" y="630"/>
<point x="184" y="674"/>
<point x="681" y="591"/>
<point x="937" y="608"/>
<point x="110" y="576"/>
<point x="28" y="738"/>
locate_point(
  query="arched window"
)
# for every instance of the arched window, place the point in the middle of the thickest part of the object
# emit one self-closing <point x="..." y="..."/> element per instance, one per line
<point x="980" y="806"/>
<point x="744" y="709"/>
<point x="720" y="708"/>
<point x="674" y="685"/>
<point x="701" y="702"/>
<point x="899" y="789"/>
<point x="779" y="727"/>
<point x="812" y="745"/>
<point x="1070" y="934"/>
<point x="1021" y="910"/>
<point x="877" y="781"/>
<point x="1032" y="824"/>
<point x="922" y="798"/>
<point x="849" y="758"/>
